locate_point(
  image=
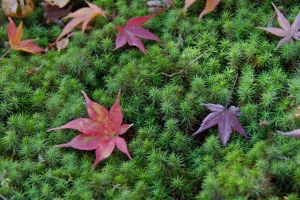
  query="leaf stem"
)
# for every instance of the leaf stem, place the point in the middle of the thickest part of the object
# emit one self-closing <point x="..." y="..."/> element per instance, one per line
<point x="5" y="54"/>
<point x="230" y="95"/>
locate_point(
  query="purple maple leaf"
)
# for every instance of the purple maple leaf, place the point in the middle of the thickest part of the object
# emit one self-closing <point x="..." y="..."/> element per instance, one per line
<point x="54" y="13"/>
<point x="226" y="118"/>
<point x="295" y="133"/>
<point x="288" y="32"/>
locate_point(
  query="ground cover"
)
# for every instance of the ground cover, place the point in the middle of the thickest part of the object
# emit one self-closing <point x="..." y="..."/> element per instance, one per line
<point x="223" y="59"/>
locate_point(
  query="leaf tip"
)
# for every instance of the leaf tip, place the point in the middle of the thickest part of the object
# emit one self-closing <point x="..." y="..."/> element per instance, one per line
<point x="130" y="125"/>
<point x="119" y="94"/>
<point x="197" y="132"/>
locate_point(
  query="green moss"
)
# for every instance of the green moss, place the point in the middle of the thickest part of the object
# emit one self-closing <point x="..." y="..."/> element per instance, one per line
<point x="161" y="93"/>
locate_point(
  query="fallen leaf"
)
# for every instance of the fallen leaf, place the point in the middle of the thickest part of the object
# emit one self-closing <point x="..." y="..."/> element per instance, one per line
<point x="295" y="133"/>
<point x="132" y="32"/>
<point x="100" y="132"/>
<point x="62" y="44"/>
<point x="287" y="32"/>
<point x="15" y="37"/>
<point x="226" y="118"/>
<point x="54" y="13"/>
<point x="158" y="6"/>
<point x="297" y="115"/>
<point x="263" y="124"/>
<point x="17" y="8"/>
<point x="81" y="17"/>
<point x="59" y="3"/>
<point x="210" y="6"/>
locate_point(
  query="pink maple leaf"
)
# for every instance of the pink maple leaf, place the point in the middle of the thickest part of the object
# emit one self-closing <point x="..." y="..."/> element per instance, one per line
<point x="132" y="32"/>
<point x="100" y="132"/>
<point x="288" y="32"/>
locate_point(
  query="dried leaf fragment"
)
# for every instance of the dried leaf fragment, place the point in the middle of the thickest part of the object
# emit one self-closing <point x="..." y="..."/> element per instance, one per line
<point x="62" y="44"/>
<point x="158" y="6"/>
<point x="59" y="3"/>
<point x="17" y="8"/>
<point x="297" y="115"/>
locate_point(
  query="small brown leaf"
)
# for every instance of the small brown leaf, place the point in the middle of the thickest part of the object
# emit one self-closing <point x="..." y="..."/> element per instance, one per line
<point x="297" y="115"/>
<point x="59" y="3"/>
<point x="263" y="124"/>
<point x="17" y="8"/>
<point x="158" y="6"/>
<point x="62" y="44"/>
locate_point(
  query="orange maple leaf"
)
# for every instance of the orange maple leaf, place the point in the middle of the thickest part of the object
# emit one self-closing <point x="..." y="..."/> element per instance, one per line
<point x="82" y="16"/>
<point x="15" y="36"/>
<point x="210" y="6"/>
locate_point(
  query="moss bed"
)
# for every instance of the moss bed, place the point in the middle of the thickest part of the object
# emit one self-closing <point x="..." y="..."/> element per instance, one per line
<point x="162" y="95"/>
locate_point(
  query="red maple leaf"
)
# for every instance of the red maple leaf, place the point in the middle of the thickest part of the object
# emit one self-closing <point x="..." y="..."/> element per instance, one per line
<point x="132" y="32"/>
<point x="226" y="118"/>
<point x="100" y="132"/>
<point x="288" y="32"/>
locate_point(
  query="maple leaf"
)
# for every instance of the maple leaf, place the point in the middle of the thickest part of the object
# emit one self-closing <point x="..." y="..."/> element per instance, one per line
<point x="210" y="6"/>
<point x="54" y="13"/>
<point x="100" y="132"/>
<point x="81" y="17"/>
<point x="15" y="37"/>
<point x="226" y="118"/>
<point x="295" y="133"/>
<point x="287" y="32"/>
<point x="132" y="32"/>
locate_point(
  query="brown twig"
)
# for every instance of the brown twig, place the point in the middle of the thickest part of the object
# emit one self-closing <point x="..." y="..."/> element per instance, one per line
<point x="170" y="75"/>
<point x="182" y="70"/>
<point x="5" y="54"/>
